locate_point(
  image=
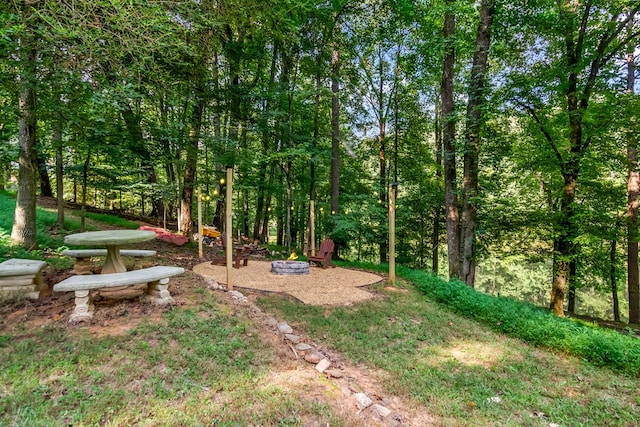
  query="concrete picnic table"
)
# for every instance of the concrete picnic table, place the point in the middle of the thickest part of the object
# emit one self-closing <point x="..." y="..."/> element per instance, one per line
<point x="112" y="240"/>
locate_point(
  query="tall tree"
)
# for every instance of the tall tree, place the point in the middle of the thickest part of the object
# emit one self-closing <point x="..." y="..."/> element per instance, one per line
<point x="335" y="131"/>
<point x="633" y="190"/>
<point x="448" y="144"/>
<point x="580" y="84"/>
<point x="475" y="105"/>
<point x="580" y="42"/>
<point x="23" y="232"/>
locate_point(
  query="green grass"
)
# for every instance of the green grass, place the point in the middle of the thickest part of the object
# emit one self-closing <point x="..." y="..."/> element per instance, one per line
<point x="46" y="223"/>
<point x="109" y="219"/>
<point x="199" y="366"/>
<point x="536" y="326"/>
<point x="50" y="238"/>
<point x="455" y="366"/>
<point x="601" y="347"/>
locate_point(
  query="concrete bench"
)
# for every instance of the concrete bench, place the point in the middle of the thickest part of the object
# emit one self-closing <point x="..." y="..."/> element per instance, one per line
<point x="22" y="277"/>
<point x="82" y="263"/>
<point x="157" y="293"/>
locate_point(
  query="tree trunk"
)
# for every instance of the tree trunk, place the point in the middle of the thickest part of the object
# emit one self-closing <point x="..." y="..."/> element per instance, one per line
<point x="472" y="141"/>
<point x="280" y="207"/>
<point x="191" y="162"/>
<point x="578" y="94"/>
<point x="633" y="189"/>
<point x="137" y="145"/>
<point x="314" y="144"/>
<point x="382" y="179"/>
<point x="43" y="173"/>
<point x="260" y="227"/>
<point x="335" y="132"/>
<point x="437" y="212"/>
<point x="613" y="280"/>
<point x="448" y="142"/>
<point x="571" y="284"/>
<point x="57" y="142"/>
<point x="23" y="232"/>
<point x="85" y="177"/>
<point x="169" y="159"/>
<point x="264" y="233"/>
<point x="288" y="205"/>
<point x="564" y="244"/>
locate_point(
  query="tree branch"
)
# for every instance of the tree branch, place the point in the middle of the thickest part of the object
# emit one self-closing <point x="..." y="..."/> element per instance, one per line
<point x="546" y="134"/>
<point x="602" y="54"/>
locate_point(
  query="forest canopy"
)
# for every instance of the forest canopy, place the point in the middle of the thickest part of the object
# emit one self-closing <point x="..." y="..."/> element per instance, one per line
<point x="511" y="129"/>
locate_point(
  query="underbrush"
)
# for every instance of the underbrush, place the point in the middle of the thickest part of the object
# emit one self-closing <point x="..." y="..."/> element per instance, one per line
<point x="536" y="326"/>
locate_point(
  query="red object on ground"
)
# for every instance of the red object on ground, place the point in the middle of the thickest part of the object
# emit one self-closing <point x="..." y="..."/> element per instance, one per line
<point x="166" y="235"/>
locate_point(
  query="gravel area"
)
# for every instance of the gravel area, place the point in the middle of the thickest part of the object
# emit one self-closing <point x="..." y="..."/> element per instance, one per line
<point x="331" y="286"/>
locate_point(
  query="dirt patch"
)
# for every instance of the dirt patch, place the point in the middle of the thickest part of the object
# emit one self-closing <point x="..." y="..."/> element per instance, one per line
<point x="330" y="286"/>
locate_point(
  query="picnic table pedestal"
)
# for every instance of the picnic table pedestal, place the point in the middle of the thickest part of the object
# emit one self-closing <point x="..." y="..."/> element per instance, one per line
<point x="113" y="240"/>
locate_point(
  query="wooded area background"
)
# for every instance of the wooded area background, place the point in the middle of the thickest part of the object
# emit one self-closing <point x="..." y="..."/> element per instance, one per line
<point x="510" y="128"/>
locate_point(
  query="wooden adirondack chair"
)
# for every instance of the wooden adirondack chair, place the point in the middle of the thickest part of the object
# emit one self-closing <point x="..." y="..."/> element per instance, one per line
<point x="325" y="252"/>
<point x="240" y="255"/>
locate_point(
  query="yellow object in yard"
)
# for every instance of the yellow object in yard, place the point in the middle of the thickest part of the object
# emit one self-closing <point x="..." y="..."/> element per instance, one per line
<point x="208" y="231"/>
<point x="292" y="256"/>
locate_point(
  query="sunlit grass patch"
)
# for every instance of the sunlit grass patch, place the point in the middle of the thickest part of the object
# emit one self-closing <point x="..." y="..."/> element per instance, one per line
<point x="462" y="371"/>
<point x="109" y="219"/>
<point x="191" y="367"/>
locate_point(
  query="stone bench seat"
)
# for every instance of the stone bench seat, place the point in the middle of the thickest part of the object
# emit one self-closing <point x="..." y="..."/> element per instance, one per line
<point x="157" y="292"/>
<point x="22" y="277"/>
<point x="82" y="256"/>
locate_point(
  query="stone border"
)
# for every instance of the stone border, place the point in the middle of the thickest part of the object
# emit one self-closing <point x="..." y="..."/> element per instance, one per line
<point x="292" y="268"/>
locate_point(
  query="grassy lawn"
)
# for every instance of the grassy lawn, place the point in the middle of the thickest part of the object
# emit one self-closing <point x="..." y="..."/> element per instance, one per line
<point x="436" y="345"/>
<point x="463" y="372"/>
<point x="196" y="366"/>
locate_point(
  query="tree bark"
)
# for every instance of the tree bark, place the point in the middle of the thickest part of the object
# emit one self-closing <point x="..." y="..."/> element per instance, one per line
<point x="564" y="244"/>
<point x="437" y="212"/>
<point x="448" y="143"/>
<point x="43" y="173"/>
<point x="613" y="280"/>
<point x="571" y="284"/>
<point x="335" y="132"/>
<point x="472" y="141"/>
<point x="633" y="190"/>
<point x="23" y="232"/>
<point x="57" y="142"/>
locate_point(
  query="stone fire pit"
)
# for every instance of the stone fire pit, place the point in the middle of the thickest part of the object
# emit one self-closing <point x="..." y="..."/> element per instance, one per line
<point x="289" y="267"/>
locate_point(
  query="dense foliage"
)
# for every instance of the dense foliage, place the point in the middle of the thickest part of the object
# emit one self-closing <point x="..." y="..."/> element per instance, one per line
<point x="141" y="106"/>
